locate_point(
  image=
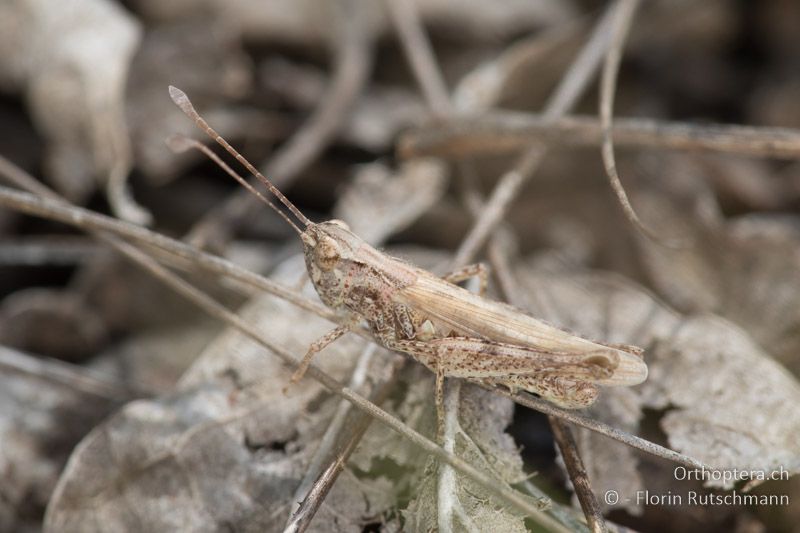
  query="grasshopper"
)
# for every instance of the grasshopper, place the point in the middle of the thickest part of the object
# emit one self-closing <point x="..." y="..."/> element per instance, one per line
<point x="452" y="331"/>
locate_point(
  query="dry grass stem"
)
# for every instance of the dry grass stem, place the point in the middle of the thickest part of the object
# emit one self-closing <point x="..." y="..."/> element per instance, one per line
<point x="44" y="251"/>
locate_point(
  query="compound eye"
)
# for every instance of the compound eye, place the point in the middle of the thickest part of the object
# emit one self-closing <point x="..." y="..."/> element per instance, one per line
<point x="327" y="253"/>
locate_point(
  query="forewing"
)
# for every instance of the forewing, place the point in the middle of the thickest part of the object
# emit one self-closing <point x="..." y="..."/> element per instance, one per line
<point x="467" y="314"/>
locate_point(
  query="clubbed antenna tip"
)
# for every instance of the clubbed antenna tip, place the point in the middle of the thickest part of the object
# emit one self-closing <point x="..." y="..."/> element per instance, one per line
<point x="181" y="100"/>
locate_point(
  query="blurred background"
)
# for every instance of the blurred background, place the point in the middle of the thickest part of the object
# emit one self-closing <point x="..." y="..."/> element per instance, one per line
<point x="320" y="96"/>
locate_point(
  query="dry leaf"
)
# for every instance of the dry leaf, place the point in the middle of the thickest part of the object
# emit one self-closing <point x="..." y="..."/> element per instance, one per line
<point x="70" y="60"/>
<point x="734" y="406"/>
<point x="226" y="450"/>
<point x="154" y="360"/>
<point x="480" y="440"/>
<point x="725" y="390"/>
<point x="52" y="322"/>
<point x="747" y="273"/>
<point x="45" y="408"/>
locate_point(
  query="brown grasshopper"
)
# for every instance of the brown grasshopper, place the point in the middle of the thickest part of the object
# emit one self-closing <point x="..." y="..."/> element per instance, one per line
<point x="450" y="330"/>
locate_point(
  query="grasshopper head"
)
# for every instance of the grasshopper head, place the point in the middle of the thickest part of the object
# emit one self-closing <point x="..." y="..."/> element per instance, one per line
<point x="330" y="249"/>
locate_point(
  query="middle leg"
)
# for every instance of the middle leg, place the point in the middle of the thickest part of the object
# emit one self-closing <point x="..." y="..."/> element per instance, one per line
<point x="464" y="273"/>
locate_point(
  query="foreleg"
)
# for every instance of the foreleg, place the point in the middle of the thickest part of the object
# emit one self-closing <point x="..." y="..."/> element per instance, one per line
<point x="315" y="347"/>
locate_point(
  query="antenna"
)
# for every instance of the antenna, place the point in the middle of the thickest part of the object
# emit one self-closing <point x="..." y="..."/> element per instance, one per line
<point x="182" y="101"/>
<point x="181" y="143"/>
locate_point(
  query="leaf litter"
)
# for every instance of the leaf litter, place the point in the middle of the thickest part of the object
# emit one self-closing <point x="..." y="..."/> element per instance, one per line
<point x="225" y="448"/>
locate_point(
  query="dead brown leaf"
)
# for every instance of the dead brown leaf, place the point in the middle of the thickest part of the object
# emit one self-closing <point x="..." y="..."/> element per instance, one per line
<point x="71" y="60"/>
<point x="727" y="402"/>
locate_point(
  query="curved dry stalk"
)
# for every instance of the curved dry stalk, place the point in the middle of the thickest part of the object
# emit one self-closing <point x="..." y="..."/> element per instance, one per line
<point x="352" y="64"/>
<point x="564" y="98"/>
<point x="110" y="132"/>
<point x="608" y="85"/>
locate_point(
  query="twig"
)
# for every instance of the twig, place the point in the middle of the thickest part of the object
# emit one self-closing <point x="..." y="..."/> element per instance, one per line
<point x="564" y="97"/>
<point x="352" y="65"/>
<point x="497" y="133"/>
<point x="583" y="69"/>
<point x="578" y="475"/>
<point x="301" y="518"/>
